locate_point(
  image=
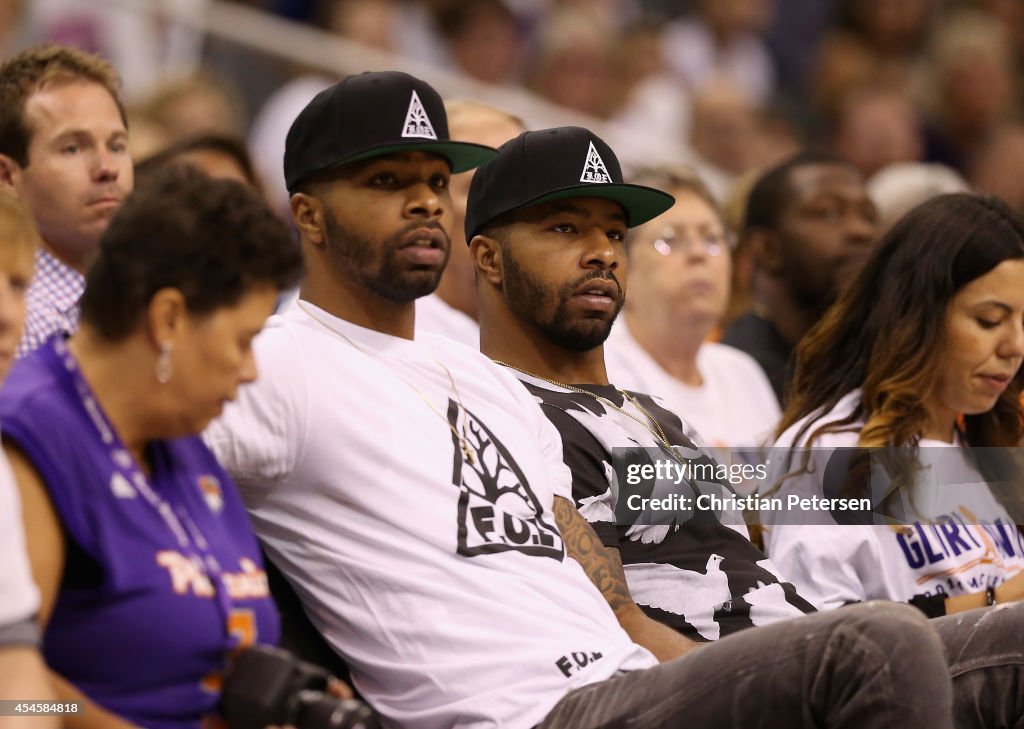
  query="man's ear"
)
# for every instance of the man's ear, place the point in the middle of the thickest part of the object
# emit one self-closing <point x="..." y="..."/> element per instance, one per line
<point x="765" y="248"/>
<point x="9" y="173"/>
<point x="308" y="214"/>
<point x="165" y="316"/>
<point x="486" y="254"/>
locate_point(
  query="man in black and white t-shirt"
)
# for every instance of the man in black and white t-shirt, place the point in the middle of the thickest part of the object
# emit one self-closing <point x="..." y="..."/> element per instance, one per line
<point x="415" y="496"/>
<point x="551" y="268"/>
<point x="703" y="578"/>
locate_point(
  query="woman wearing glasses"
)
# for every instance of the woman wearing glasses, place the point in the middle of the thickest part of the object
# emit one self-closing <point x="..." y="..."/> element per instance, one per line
<point x="680" y="268"/>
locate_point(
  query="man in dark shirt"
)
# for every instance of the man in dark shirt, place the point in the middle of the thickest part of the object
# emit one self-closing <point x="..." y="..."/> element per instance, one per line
<point x="810" y="225"/>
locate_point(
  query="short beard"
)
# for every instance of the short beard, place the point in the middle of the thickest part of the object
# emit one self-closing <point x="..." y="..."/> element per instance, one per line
<point x="528" y="299"/>
<point x="373" y="264"/>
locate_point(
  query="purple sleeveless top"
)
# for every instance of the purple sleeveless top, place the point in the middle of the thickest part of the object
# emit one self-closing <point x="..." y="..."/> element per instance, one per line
<point x="138" y="626"/>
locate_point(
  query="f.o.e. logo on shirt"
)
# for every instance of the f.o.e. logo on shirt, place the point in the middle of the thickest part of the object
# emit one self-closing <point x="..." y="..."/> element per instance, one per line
<point x="576" y="661"/>
<point x="498" y="510"/>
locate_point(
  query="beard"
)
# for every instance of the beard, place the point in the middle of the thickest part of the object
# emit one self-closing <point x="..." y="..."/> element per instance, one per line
<point x="531" y="302"/>
<point x="374" y="264"/>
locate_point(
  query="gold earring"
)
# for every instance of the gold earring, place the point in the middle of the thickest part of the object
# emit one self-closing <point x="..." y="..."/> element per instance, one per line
<point x="163" y="363"/>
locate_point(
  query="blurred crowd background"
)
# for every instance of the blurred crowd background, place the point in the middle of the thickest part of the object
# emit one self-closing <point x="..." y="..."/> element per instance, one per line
<point x="726" y="86"/>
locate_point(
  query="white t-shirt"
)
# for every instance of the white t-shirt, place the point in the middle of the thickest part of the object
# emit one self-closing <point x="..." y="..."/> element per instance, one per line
<point x="959" y="539"/>
<point x="444" y="584"/>
<point x="735" y="407"/>
<point x="19" y="598"/>
<point x="434" y="315"/>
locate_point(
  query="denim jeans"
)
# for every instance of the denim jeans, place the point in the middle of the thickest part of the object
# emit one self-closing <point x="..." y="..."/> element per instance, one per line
<point x="878" y="665"/>
<point x="985" y="650"/>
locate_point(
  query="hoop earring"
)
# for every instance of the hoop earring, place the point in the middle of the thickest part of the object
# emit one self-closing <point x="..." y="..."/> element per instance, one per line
<point x="163" y="363"/>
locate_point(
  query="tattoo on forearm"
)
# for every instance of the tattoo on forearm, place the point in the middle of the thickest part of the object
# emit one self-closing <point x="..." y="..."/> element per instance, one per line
<point x="602" y="565"/>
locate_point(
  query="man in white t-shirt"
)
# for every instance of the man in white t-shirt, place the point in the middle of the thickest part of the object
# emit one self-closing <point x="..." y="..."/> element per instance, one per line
<point x="415" y="496"/>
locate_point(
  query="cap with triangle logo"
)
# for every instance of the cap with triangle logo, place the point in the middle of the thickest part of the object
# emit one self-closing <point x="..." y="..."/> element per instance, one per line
<point x="556" y="164"/>
<point x="370" y="115"/>
<point x="417" y="123"/>
<point x="594" y="169"/>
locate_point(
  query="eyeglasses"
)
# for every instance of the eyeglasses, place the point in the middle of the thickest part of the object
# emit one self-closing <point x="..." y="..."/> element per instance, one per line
<point x="671" y="241"/>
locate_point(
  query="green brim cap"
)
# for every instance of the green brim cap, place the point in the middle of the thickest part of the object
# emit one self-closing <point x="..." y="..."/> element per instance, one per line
<point x="556" y="164"/>
<point x="369" y="115"/>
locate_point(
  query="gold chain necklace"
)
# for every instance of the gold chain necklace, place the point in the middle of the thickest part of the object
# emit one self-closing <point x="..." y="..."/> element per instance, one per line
<point x="460" y="436"/>
<point x="657" y="431"/>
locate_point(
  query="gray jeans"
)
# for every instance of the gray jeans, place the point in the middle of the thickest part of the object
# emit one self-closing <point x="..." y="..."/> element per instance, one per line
<point x="985" y="649"/>
<point x="878" y="665"/>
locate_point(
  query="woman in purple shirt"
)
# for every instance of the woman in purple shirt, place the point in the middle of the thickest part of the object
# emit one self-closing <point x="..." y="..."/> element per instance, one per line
<point x="149" y="573"/>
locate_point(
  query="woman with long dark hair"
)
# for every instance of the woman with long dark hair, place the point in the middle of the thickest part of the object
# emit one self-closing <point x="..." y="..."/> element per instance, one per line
<point x="917" y="366"/>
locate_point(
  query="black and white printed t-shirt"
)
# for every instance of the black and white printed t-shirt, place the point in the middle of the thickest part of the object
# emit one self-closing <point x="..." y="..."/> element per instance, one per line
<point x="703" y="578"/>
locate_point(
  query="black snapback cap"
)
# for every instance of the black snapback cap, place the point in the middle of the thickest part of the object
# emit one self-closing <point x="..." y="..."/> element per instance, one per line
<point x="369" y="115"/>
<point x="555" y="164"/>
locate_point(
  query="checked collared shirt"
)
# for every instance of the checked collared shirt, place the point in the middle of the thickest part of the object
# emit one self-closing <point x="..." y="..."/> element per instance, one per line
<point x="51" y="302"/>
